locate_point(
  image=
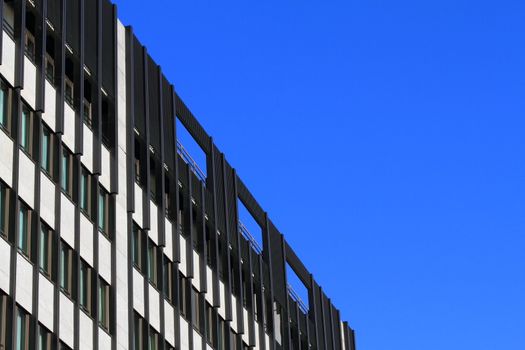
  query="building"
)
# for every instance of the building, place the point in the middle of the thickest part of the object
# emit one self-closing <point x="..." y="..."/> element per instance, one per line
<point x="112" y="237"/>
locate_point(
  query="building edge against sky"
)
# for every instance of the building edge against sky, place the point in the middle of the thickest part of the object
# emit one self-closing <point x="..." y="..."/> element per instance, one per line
<point x="112" y="236"/>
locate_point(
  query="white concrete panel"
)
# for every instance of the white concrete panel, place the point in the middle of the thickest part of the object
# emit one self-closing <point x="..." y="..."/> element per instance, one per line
<point x="24" y="283"/>
<point x="66" y="320"/>
<point x="209" y="284"/>
<point x="208" y="347"/>
<point x="266" y="341"/>
<point x="196" y="280"/>
<point x="5" y="265"/>
<point x="69" y="127"/>
<point x="256" y="334"/>
<point x="29" y="91"/>
<point x="183" y="261"/>
<point x="245" y="320"/>
<point x="154" y="222"/>
<point x="67" y="220"/>
<point x="26" y="182"/>
<point x="7" y="68"/>
<point x="104" y="339"/>
<point x="47" y="200"/>
<point x="342" y="327"/>
<point x="169" y="323"/>
<point x="105" y="158"/>
<point x="87" y="148"/>
<point x="197" y="340"/>
<point x="46" y="301"/>
<point x="168" y="250"/>
<point x="49" y="115"/>
<point x="138" y="292"/>
<point x="154" y="308"/>
<point x="86" y="240"/>
<point x="85" y="326"/>
<point x="234" y="314"/>
<point x="184" y="335"/>
<point x="6" y="158"/>
<point x="104" y="257"/>
<point x="222" y="298"/>
<point x="137" y="215"/>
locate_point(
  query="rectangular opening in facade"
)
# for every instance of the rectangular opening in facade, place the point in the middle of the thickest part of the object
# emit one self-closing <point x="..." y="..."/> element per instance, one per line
<point x="190" y="151"/>
<point x="296" y="289"/>
<point x="249" y="228"/>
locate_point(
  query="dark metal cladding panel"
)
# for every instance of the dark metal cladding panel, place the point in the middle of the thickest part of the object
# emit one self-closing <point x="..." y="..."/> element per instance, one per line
<point x="297" y="265"/>
<point x="336" y="327"/>
<point x="231" y="202"/>
<point x="192" y="125"/>
<point x="219" y="181"/>
<point x="53" y="13"/>
<point x="90" y="36"/>
<point x="154" y="110"/>
<point x="278" y="267"/>
<point x="169" y="141"/>
<point x="317" y="316"/>
<point x="73" y="24"/>
<point x="109" y="48"/>
<point x="183" y="174"/>
<point x="138" y="70"/>
<point x="327" y="322"/>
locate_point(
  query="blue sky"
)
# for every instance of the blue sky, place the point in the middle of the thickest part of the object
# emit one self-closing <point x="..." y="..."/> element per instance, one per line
<point x="386" y="141"/>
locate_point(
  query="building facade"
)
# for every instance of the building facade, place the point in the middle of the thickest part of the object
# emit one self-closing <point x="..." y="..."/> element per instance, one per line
<point x="111" y="235"/>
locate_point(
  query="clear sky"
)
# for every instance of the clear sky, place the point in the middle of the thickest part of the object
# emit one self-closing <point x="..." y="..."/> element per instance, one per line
<point x="386" y="141"/>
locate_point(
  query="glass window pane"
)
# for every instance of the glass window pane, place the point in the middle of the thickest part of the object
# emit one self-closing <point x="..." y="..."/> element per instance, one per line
<point x="22" y="229"/>
<point x="65" y="171"/>
<point x="20" y="331"/>
<point x="43" y="248"/>
<point x="45" y="150"/>
<point x="24" y="130"/>
<point x="2" y="208"/>
<point x="3" y="119"/>
<point x="83" y="191"/>
<point x="101" y="211"/>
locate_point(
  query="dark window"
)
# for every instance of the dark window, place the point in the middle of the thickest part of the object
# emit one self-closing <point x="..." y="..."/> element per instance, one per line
<point x="153" y="340"/>
<point x="66" y="268"/>
<point x="45" y="249"/>
<point x="85" y="192"/>
<point x="85" y="286"/>
<point x="137" y="247"/>
<point x="183" y="296"/>
<point x="30" y="45"/>
<point x="26" y="131"/>
<point x="196" y="309"/>
<point x="3" y="320"/>
<point x="210" y="329"/>
<point x="138" y="334"/>
<point x="86" y="105"/>
<point x="4" y="209"/>
<point x="153" y="262"/>
<point x="4" y="102"/>
<point x="50" y="68"/>
<point x="168" y="279"/>
<point x="103" y="211"/>
<point x="103" y="304"/>
<point x="66" y="179"/>
<point x="44" y="338"/>
<point x="48" y="146"/>
<point x="24" y="230"/>
<point x="22" y="330"/>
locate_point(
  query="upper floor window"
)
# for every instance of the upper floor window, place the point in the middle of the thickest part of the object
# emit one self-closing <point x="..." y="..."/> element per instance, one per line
<point x="85" y="287"/>
<point x="48" y="146"/>
<point x="137" y="247"/>
<point x="86" y="113"/>
<point x="50" y="67"/>
<point x="44" y="338"/>
<point x="4" y="209"/>
<point x="30" y="45"/>
<point x="103" y="211"/>
<point x="45" y="249"/>
<point x="66" y="268"/>
<point x="24" y="232"/>
<point x="69" y="90"/>
<point x="22" y="336"/>
<point x="168" y="279"/>
<point x="85" y="192"/>
<point x="153" y="340"/>
<point x="153" y="252"/>
<point x="4" y="94"/>
<point x="3" y="320"/>
<point x="67" y="172"/>
<point x="103" y="304"/>
<point x="26" y="128"/>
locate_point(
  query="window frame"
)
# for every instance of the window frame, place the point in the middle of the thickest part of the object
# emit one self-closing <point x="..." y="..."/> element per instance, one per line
<point x="66" y="174"/>
<point x="4" y="209"/>
<point x="103" y="198"/>
<point x="5" y="117"/>
<point x="26" y="129"/>
<point x="85" y="287"/>
<point x="29" y="51"/>
<point x="24" y="240"/>
<point x="85" y="200"/>
<point x="47" y="249"/>
<point x="69" y="86"/>
<point x="49" y="151"/>
<point x="67" y="276"/>
<point x="22" y="326"/>
<point x="103" y="304"/>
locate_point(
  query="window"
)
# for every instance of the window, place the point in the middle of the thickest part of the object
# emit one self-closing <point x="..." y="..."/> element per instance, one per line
<point x="68" y="90"/>
<point x="50" y="67"/>
<point x="67" y="172"/>
<point x="3" y="320"/>
<point x="25" y="130"/>
<point x="66" y="268"/>
<point x="152" y="262"/>
<point x="4" y="209"/>
<point x="138" y="172"/>
<point x="22" y="330"/>
<point x="153" y="340"/>
<point x="103" y="304"/>
<point x="30" y="45"/>
<point x="85" y="192"/>
<point x="138" y="332"/>
<point x="222" y="339"/>
<point x="137" y="244"/>
<point x="4" y="94"/>
<point x="86" y="113"/>
<point x="45" y="250"/>
<point x="44" y="338"/>
<point x="196" y="309"/>
<point x="24" y="232"/>
<point x="209" y="324"/>
<point x="85" y="286"/>
<point x="183" y="297"/>
<point x="103" y="210"/>
<point x="153" y="177"/>
<point x="168" y="279"/>
<point x="47" y="151"/>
